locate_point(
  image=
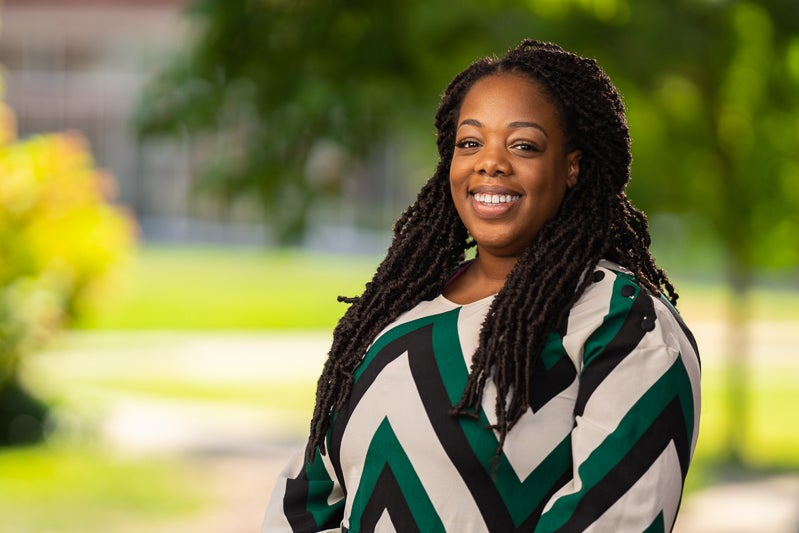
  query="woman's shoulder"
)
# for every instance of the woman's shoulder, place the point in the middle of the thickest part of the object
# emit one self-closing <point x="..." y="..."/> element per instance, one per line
<point x="615" y="269"/>
<point x="611" y="288"/>
<point x="617" y="289"/>
<point x="614" y="307"/>
<point x="611" y="283"/>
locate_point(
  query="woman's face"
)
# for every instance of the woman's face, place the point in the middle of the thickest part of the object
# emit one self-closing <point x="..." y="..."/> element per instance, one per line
<point x="510" y="169"/>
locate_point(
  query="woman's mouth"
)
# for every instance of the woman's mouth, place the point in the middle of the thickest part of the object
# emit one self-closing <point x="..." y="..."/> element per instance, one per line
<point x="494" y="199"/>
<point x="493" y="205"/>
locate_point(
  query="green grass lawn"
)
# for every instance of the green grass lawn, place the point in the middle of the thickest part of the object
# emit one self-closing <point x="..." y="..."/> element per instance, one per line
<point x="245" y="288"/>
<point x="231" y="288"/>
<point x="772" y="436"/>
<point x="75" y="488"/>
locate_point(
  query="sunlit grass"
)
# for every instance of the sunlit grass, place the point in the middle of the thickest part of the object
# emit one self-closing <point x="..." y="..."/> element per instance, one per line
<point x="231" y="288"/>
<point x="773" y="435"/>
<point x="295" y="396"/>
<point x="249" y="288"/>
<point x="77" y="488"/>
<point x="711" y="300"/>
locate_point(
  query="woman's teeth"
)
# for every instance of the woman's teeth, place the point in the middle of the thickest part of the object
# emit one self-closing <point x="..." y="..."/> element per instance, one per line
<point x="492" y="199"/>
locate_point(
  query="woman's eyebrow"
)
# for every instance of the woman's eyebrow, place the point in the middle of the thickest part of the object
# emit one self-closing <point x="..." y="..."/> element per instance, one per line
<point x="523" y="124"/>
<point x="471" y="122"/>
<point x="516" y="124"/>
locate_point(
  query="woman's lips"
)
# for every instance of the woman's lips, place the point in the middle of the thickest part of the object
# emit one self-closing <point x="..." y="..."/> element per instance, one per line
<point x="492" y="205"/>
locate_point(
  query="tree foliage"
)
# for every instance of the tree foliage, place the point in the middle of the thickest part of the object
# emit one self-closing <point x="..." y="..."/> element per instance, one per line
<point x="59" y="238"/>
<point x="715" y="124"/>
<point x="272" y="82"/>
<point x="711" y="90"/>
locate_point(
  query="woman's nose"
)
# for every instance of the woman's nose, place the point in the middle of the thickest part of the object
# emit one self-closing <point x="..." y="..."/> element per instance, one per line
<point x="493" y="161"/>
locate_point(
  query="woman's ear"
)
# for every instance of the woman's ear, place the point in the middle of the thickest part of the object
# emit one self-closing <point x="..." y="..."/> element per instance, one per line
<point x="573" y="172"/>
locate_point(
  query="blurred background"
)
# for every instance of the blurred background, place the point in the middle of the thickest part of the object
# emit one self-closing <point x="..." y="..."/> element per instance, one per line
<point x="187" y="185"/>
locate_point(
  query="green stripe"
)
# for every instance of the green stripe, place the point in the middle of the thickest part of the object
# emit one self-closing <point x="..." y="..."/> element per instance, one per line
<point x="395" y="333"/>
<point x="384" y="449"/>
<point x="618" y="310"/>
<point x="618" y="444"/>
<point x="685" y="392"/>
<point x="657" y="526"/>
<point x="553" y="351"/>
<point x="319" y="488"/>
<point x="520" y="496"/>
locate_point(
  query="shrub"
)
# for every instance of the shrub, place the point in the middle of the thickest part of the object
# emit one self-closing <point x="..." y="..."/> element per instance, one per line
<point x="60" y="238"/>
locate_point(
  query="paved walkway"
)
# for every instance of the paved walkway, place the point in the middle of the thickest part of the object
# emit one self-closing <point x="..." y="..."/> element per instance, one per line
<point x="238" y="450"/>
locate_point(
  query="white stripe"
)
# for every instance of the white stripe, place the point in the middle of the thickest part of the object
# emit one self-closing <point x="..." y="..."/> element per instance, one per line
<point x="657" y="490"/>
<point x="274" y="519"/>
<point x="546" y="429"/>
<point x="394" y="394"/>
<point x="612" y="400"/>
<point x="587" y="315"/>
<point x="384" y="524"/>
<point x="674" y="336"/>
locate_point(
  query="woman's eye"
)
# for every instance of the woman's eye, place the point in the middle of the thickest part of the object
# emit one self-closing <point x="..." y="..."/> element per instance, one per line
<point x="466" y="144"/>
<point x="526" y="147"/>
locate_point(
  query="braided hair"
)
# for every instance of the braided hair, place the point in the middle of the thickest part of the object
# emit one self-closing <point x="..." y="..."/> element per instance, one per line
<point x="595" y="221"/>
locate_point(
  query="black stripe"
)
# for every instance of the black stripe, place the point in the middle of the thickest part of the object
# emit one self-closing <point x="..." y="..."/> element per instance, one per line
<point x="295" y="505"/>
<point x="549" y="383"/>
<point x="685" y="330"/>
<point x="387" y="354"/>
<point x="428" y="378"/>
<point x="625" y="341"/>
<point x="667" y="427"/>
<point x="437" y="404"/>
<point x="532" y="520"/>
<point x="387" y="496"/>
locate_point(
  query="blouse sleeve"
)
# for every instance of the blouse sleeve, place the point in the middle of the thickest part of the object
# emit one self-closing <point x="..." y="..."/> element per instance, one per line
<point x="636" y="422"/>
<point x="306" y="498"/>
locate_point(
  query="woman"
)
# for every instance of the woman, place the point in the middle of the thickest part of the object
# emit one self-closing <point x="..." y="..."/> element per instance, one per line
<point x="545" y="385"/>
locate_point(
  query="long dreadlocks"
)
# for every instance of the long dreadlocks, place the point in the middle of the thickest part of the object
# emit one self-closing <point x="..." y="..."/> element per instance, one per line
<point x="595" y="221"/>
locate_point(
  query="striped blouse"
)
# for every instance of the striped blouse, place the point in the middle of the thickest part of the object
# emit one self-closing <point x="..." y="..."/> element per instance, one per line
<point x="605" y="445"/>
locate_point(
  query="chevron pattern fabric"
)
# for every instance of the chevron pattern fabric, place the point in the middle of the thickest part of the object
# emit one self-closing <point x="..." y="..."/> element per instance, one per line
<point x="605" y="445"/>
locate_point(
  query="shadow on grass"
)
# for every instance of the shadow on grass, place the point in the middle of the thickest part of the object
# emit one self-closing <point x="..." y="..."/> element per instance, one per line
<point x="709" y="472"/>
<point x="23" y="417"/>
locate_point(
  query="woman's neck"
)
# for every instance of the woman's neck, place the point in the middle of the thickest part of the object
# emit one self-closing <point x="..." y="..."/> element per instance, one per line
<point x="485" y="276"/>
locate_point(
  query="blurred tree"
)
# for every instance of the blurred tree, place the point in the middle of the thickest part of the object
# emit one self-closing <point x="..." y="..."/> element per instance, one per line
<point x="59" y="238"/>
<point x="269" y="87"/>
<point x="711" y="88"/>
<point x="713" y="98"/>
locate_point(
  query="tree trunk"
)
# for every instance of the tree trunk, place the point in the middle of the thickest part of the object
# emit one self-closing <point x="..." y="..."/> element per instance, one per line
<point x="737" y="363"/>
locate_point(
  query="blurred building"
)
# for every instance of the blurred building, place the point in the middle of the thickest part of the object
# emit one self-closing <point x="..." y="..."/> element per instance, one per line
<point x="80" y="64"/>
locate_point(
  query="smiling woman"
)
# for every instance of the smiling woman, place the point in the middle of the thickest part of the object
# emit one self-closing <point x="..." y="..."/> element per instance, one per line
<point x="545" y="385"/>
<point x="510" y="170"/>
